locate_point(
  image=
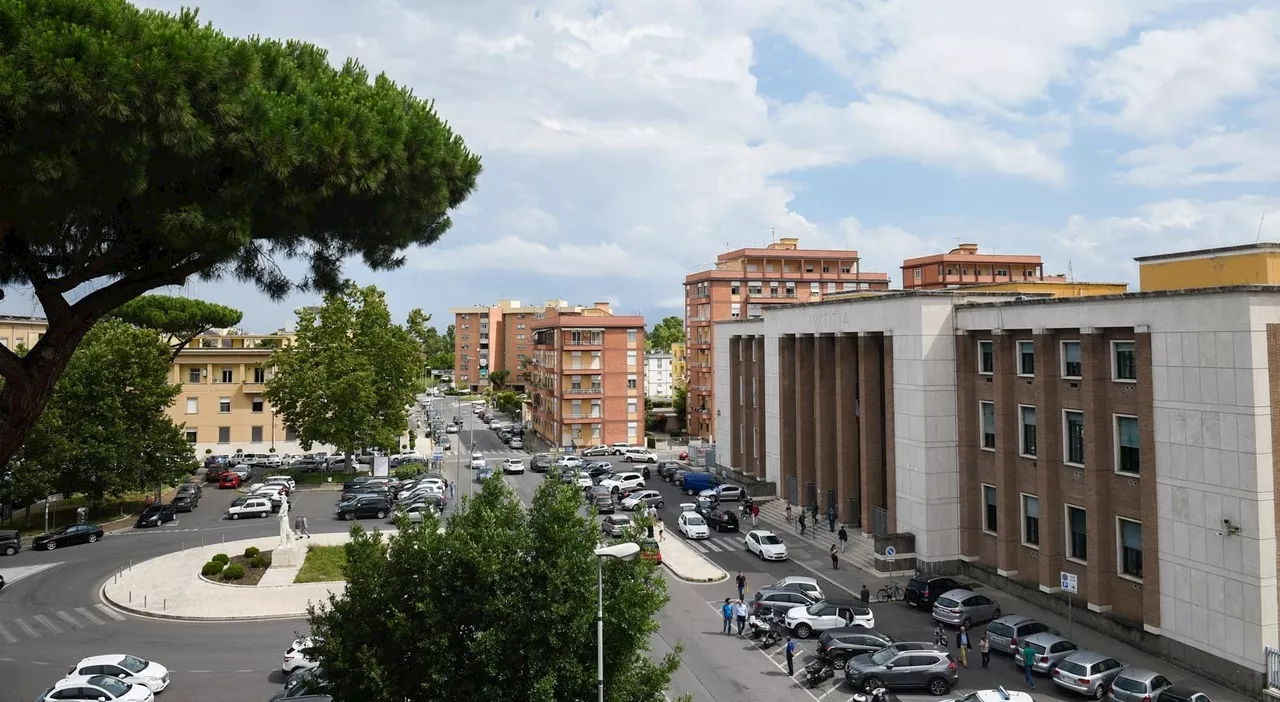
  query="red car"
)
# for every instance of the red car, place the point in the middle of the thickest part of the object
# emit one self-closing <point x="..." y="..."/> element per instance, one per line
<point x="684" y="455"/>
<point x="228" y="480"/>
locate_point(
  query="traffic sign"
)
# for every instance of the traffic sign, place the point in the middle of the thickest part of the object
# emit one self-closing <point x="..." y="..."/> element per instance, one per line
<point x="890" y="552"/>
<point x="56" y="497"/>
<point x="1070" y="583"/>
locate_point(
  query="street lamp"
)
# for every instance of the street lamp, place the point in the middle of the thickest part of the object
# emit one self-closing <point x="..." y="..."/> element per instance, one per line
<point x="625" y="551"/>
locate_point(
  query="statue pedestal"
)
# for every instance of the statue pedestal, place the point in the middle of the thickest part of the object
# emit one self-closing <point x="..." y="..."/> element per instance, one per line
<point x="289" y="556"/>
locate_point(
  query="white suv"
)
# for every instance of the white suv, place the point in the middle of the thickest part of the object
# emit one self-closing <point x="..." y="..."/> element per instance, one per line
<point x="477" y="460"/>
<point x="620" y="448"/>
<point x="513" y="465"/>
<point x="639" y="455"/>
<point x="252" y="507"/>
<point x="623" y="481"/>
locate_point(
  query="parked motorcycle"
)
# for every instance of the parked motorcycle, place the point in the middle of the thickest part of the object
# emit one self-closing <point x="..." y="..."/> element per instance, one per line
<point x="818" y="672"/>
<point x="767" y="629"/>
<point x="879" y="694"/>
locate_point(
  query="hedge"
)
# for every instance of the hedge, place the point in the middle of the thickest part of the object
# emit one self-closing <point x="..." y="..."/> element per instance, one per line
<point x="258" y="561"/>
<point x="234" y="571"/>
<point x="211" y="569"/>
<point x="252" y="551"/>
<point x="221" y="558"/>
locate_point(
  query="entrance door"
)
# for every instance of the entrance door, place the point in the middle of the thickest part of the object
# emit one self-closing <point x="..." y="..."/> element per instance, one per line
<point x="793" y="491"/>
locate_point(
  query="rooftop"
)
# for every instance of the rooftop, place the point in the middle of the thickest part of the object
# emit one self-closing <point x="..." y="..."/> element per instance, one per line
<point x="969" y="252"/>
<point x="1259" y="247"/>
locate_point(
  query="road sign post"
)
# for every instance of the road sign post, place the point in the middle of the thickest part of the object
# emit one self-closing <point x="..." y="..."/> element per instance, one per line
<point x="1071" y="586"/>
<point x="892" y="554"/>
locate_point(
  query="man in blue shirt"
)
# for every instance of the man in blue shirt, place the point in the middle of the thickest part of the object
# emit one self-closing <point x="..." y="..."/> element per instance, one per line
<point x="726" y="611"/>
<point x="791" y="654"/>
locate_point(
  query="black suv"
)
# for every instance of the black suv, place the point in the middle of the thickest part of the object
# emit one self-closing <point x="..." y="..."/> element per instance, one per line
<point x="836" y="646"/>
<point x="720" y="519"/>
<point x="667" y="469"/>
<point x="923" y="590"/>
<point x="155" y="515"/>
<point x="363" y="507"/>
<point x="10" y="542"/>
<point x="185" y="501"/>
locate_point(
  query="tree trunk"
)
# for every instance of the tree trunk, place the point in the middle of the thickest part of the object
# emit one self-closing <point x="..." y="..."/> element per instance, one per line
<point x="23" y="398"/>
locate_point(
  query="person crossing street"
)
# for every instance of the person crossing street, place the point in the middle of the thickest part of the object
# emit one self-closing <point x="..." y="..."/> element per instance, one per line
<point x="843" y="536"/>
<point x="742" y="586"/>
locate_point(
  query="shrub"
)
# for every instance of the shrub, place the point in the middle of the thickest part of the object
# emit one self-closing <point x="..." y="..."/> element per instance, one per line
<point x="208" y="451"/>
<point x="221" y="558"/>
<point x="211" y="569"/>
<point x="252" y="551"/>
<point x="258" y="561"/>
<point x="234" y="571"/>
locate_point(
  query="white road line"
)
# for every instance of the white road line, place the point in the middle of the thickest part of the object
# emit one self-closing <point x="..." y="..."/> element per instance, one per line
<point x="38" y="663"/>
<point x="75" y="624"/>
<point x="202" y="671"/>
<point x="4" y="634"/>
<point x="109" y="612"/>
<point x="89" y="615"/>
<point x="30" y="630"/>
<point x="48" y="623"/>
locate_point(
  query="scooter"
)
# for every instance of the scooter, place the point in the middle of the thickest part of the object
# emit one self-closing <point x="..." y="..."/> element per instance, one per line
<point x="817" y="672"/>
<point x="879" y="694"/>
<point x="767" y="629"/>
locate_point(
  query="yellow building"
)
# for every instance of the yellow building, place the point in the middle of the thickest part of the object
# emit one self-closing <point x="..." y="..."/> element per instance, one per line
<point x="1051" y="288"/>
<point x="679" y="369"/>
<point x="21" y="332"/>
<point x="1247" y="264"/>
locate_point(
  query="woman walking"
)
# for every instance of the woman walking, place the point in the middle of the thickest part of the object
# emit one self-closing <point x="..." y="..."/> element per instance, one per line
<point x="984" y="647"/>
<point x="835" y="557"/>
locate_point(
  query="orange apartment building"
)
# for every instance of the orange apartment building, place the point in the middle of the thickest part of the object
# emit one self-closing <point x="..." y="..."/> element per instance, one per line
<point x="965" y="266"/>
<point x="488" y="338"/>
<point x="587" y="376"/>
<point x="741" y="285"/>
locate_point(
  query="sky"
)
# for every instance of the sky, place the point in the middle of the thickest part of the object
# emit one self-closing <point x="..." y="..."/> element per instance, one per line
<point x="627" y="143"/>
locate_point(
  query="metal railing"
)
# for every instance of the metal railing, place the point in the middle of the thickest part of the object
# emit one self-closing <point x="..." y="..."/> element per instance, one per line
<point x="879" y="521"/>
<point x="1273" y="668"/>
<point x="583" y="391"/>
<point x="585" y="342"/>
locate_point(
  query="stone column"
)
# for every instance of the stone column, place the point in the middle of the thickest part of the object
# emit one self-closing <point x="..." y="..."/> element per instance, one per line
<point x="786" y="413"/>
<point x="848" y="458"/>
<point x="871" y="424"/>
<point x="890" y="448"/>
<point x="757" y="351"/>
<point x="734" y="407"/>
<point x="1049" y="471"/>
<point x="971" y="505"/>
<point x="825" y="434"/>
<point x="804" y="417"/>
<point x="1099" y="515"/>
<point x="1009" y="537"/>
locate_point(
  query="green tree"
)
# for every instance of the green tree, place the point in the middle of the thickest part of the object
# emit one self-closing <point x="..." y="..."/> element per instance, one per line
<point x="498" y="380"/>
<point x="181" y="319"/>
<point x="680" y="401"/>
<point x="665" y="333"/>
<point x="437" y="348"/>
<point x="508" y="403"/>
<point x="346" y="378"/>
<point x="430" y="615"/>
<point x="142" y="148"/>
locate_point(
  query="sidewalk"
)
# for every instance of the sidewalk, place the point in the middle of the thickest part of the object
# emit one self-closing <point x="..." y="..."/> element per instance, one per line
<point x="689" y="565"/>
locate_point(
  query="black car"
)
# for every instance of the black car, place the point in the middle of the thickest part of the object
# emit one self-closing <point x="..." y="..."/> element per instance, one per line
<point x="1" y="582"/>
<point x="10" y="542"/>
<point x="836" y="646"/>
<point x="363" y="507"/>
<point x="300" y="684"/>
<point x="1182" y="693"/>
<point x="924" y="590"/>
<point x="155" y="515"/>
<point x="598" y="470"/>
<point x="603" y="502"/>
<point x="186" y="501"/>
<point x="771" y="601"/>
<point x="67" y="536"/>
<point x="666" y="469"/>
<point x="720" y="519"/>
<point x="356" y="482"/>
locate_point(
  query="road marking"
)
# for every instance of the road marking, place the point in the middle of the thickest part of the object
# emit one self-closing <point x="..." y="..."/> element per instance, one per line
<point x="202" y="671"/>
<point x="48" y="623"/>
<point x="109" y="612"/>
<point x="89" y="615"/>
<point x="4" y="634"/>
<point x="38" y="663"/>
<point x="69" y="619"/>
<point x="244" y="671"/>
<point x="31" y="631"/>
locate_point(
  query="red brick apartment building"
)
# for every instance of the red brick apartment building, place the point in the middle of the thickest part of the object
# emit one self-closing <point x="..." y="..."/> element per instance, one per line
<point x="745" y="282"/>
<point x="965" y="266"/>
<point x="488" y="338"/>
<point x="587" y="376"/>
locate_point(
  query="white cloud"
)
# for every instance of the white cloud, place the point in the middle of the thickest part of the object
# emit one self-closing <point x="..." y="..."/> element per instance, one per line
<point x="1171" y="79"/>
<point x="1239" y="157"/>
<point x="512" y="253"/>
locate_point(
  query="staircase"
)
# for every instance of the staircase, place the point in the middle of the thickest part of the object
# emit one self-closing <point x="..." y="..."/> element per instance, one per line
<point x="859" y="551"/>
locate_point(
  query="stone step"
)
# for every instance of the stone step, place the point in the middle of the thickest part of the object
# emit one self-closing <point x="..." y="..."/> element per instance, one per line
<point x="860" y="550"/>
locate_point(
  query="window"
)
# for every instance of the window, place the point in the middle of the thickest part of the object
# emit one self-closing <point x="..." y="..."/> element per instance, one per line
<point x="1077" y="538"/>
<point x="989" y="509"/>
<point x="631" y="336"/>
<point x="846" y="269"/>
<point x="1073" y="446"/>
<point x="1071" y="359"/>
<point x="290" y="435"/>
<point x="193" y="405"/>
<point x="519" y="337"/>
<point x="631" y="432"/>
<point x="734" y="287"/>
<point x="1127" y="445"/>
<point x="631" y="359"/>
<point x="1001" y="271"/>
<point x="1124" y="362"/>
<point x="815" y="288"/>
<point x="631" y="382"/>
<point x="192" y="436"/>
<point x="1026" y="358"/>
<point x="193" y="374"/>
<point x="986" y="358"/>
<point x="257" y="404"/>
<point x="1027" y="436"/>
<point x="228" y="375"/>
<point x="1030" y="520"/>
<point x="224" y="405"/>
<point x="1129" y="534"/>
<point x="831" y="287"/>
<point x="631" y="406"/>
<point x="259" y="375"/>
<point x="915" y="273"/>
<point x="224" y="435"/>
<point x="988" y="413"/>
<point x="826" y="269"/>
<point x="255" y="435"/>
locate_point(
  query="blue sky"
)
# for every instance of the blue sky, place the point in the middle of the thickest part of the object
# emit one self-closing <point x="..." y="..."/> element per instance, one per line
<point x="628" y="143"/>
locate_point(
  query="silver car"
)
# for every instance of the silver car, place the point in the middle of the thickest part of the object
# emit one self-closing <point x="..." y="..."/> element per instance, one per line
<point x="1137" y="684"/>
<point x="1005" y="634"/>
<point x="1087" y="673"/>
<point x="961" y="607"/>
<point x="1050" y="650"/>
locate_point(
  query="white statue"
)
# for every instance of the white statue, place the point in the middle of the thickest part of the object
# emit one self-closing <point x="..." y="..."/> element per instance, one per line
<point x="286" y="529"/>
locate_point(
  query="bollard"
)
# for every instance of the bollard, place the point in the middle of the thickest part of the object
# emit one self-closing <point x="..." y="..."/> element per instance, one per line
<point x="166" y="604"/>
<point x="131" y="597"/>
<point x="144" y="601"/>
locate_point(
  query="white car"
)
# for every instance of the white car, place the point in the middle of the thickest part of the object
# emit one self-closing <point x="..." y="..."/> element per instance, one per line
<point x="130" y="669"/>
<point x="294" y="659"/>
<point x="640" y="497"/>
<point x="818" y="617"/>
<point x="584" y="480"/>
<point x="512" y="466"/>
<point x="451" y="429"/>
<point x="597" y="450"/>
<point x="243" y="470"/>
<point x="273" y="460"/>
<point x="691" y="524"/>
<point x="495" y="425"/>
<point x="286" y="479"/>
<point x="766" y="545"/>
<point x="623" y="481"/>
<point x="418" y="493"/>
<point x="255" y="506"/>
<point x="96" y="687"/>
<point x="477" y="461"/>
<point x="1002" y="695"/>
<point x="410" y="456"/>
<point x="639" y="455"/>
<point x="804" y="583"/>
<point x="619" y="448"/>
<point x="569" y="462"/>
<point x="416" y="512"/>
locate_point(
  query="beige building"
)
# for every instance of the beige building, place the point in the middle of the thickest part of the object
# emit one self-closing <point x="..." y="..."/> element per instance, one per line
<point x="21" y="332"/>
<point x="490" y="338"/>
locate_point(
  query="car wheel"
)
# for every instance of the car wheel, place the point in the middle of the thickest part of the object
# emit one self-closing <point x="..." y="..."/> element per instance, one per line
<point x="659" y="505"/>
<point x="10" y="550"/>
<point x="939" y="687"/>
<point x="264" y="515"/>
<point x="235" y="517"/>
<point x="838" y="662"/>
<point x="996" y="615"/>
<point x="51" y="545"/>
<point x="349" y="516"/>
<point x="1099" y="692"/>
<point x="93" y="538"/>
<point x="871" y="684"/>
<point x="381" y="514"/>
<point x="803" y="630"/>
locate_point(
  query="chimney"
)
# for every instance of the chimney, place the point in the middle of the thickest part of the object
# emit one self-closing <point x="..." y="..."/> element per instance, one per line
<point x="786" y="243"/>
<point x="602" y="306"/>
<point x="966" y="249"/>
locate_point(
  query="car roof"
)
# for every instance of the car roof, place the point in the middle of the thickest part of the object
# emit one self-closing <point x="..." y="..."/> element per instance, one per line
<point x="1003" y="695"/>
<point x="761" y="532"/>
<point x="1013" y="619"/>
<point x="902" y="646"/>
<point x="1045" y="637"/>
<point x="102" y="660"/>
<point x="958" y="593"/>
<point x="1138" y="673"/>
<point x="1086" y="657"/>
<point x="797" y="579"/>
<point x="73" y="680"/>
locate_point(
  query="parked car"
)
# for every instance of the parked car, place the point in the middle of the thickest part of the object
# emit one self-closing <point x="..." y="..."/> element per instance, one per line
<point x="540" y="462"/>
<point x="416" y="511"/>
<point x="516" y="443"/>
<point x="569" y="462"/>
<point x="923" y="590"/>
<point x="243" y="470"/>
<point x="300" y="685"/>
<point x="639" y="455"/>
<point x="598" y="470"/>
<point x="765" y="544"/>
<point x="724" y="493"/>
<point x="68" y="536"/>
<point x="253" y="506"/>
<point x="666" y="468"/>
<point x="363" y="507"/>
<point x="1049" y="648"/>
<point x="620" y="448"/>
<point x="295" y="657"/>
<point x="801" y="583"/>
<point x="1137" y="685"/>
<point x="156" y="514"/>
<point x="286" y="479"/>
<point x="1182" y="693"/>
<point x="961" y="607"/>
<point x="615" y="524"/>
<point x="96" y="687"/>
<point x="186" y="501"/>
<point x="602" y="501"/>
<point x="1006" y="633"/>
<point x="828" y="614"/>
<point x="513" y="466"/>
<point x="597" y="450"/>
<point x="126" y="668"/>
<point x="623" y="481"/>
<point x="10" y="542"/>
<point x="691" y="524"/>
<point x="903" y="666"/>
<point x="695" y="482"/>
<point x="776" y="601"/>
<point x="652" y="498"/>
<point x="229" y="481"/>
<point x="836" y="646"/>
<point x="720" y="519"/>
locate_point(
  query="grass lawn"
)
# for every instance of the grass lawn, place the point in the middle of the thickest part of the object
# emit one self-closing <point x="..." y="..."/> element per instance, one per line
<point x="323" y="564"/>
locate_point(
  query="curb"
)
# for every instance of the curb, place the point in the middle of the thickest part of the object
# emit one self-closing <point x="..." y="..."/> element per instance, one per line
<point x="127" y="609"/>
<point x="697" y="581"/>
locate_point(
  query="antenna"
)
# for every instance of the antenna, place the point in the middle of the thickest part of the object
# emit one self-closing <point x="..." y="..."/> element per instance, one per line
<point x="1260" y="221"/>
<point x="1071" y="277"/>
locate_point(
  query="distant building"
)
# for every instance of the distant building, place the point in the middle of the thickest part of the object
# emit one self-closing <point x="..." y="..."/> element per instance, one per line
<point x="741" y="285"/>
<point x="658" y="381"/>
<point x="1249" y="264"/>
<point x="488" y="338"/>
<point x="21" y="332"/>
<point x="964" y="266"/>
<point x="679" y="368"/>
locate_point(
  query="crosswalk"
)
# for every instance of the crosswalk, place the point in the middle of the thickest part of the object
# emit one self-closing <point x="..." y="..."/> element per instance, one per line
<point x="498" y="455"/>
<point x="38" y="626"/>
<point x="716" y="543"/>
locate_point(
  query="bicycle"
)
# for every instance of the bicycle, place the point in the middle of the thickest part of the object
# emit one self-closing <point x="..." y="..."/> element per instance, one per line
<point x="889" y="593"/>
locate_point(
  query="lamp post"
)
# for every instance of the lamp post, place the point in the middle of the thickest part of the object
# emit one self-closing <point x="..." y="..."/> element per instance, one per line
<point x="624" y="551"/>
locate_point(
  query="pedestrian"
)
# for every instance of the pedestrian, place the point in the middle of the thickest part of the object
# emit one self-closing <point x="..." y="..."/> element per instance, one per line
<point x="740" y="613"/>
<point x="800" y="521"/>
<point x="940" y="636"/>
<point x="865" y="595"/>
<point x="1029" y="659"/>
<point x="453" y="487"/>
<point x="844" y="538"/>
<point x="835" y="557"/>
<point x="963" y="646"/>
<point x="984" y="647"/>
<point x="787" y="514"/>
<point x="791" y="654"/>
<point x="742" y="585"/>
<point x="726" y="611"/>
<point x="755" y="513"/>
<point x="297" y="527"/>
<point x="662" y="535"/>
<point x="832" y="517"/>
<point x="305" y="532"/>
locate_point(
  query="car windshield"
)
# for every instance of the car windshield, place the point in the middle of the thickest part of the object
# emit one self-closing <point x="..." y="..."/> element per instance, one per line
<point x="133" y="664"/>
<point x="770" y="540"/>
<point x="946" y="602"/>
<point x="1130" y="685"/>
<point x="816" y="608"/>
<point x="883" y="656"/>
<point x="1000" y="629"/>
<point x="1038" y="648"/>
<point x="111" y="685"/>
<point x="695" y="521"/>
<point x="1072" y="668"/>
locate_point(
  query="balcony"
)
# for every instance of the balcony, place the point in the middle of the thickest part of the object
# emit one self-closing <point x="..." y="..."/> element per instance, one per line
<point x="598" y="341"/>
<point x="582" y="418"/>
<point x="252" y="388"/>
<point x="576" y="369"/>
<point x="594" y="390"/>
